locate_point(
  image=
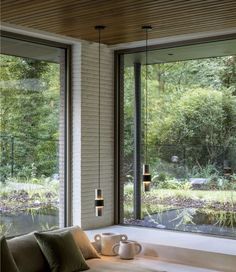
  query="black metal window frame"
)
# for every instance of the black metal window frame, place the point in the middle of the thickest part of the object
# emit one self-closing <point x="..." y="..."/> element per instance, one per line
<point x="67" y="115"/>
<point x="119" y="119"/>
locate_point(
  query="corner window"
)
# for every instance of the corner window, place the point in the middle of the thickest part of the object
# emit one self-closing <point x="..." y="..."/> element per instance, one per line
<point x="191" y="139"/>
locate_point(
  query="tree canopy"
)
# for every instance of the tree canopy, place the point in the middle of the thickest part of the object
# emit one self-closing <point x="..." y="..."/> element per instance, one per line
<point x="29" y="99"/>
<point x="191" y="106"/>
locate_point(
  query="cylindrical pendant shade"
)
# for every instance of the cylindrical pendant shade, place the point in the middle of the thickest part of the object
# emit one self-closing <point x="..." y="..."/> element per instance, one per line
<point x="147" y="178"/>
<point x="147" y="186"/>
<point x="99" y="202"/>
<point x="99" y="211"/>
<point x="145" y="168"/>
<point x="98" y="194"/>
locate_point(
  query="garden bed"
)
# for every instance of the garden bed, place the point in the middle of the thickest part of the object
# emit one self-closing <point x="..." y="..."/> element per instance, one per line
<point x="205" y="211"/>
<point x="21" y="201"/>
<point x="28" y="206"/>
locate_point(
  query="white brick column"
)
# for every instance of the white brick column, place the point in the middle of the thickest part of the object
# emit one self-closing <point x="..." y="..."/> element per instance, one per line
<point x="76" y="134"/>
<point x="85" y="134"/>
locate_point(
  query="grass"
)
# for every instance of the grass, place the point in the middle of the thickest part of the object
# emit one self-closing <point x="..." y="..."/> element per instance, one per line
<point x="221" y="196"/>
<point x="209" y="195"/>
<point x="159" y="200"/>
<point x="45" y="185"/>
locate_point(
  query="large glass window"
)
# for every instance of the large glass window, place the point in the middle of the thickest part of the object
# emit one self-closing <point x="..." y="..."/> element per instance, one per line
<point x="32" y="90"/>
<point x="191" y="139"/>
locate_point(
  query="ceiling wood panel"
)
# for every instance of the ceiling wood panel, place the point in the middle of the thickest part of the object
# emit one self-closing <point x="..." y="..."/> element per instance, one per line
<point x="123" y="18"/>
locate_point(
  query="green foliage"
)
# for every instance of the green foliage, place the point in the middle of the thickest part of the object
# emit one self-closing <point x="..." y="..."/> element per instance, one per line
<point x="227" y="184"/>
<point x="27" y="172"/>
<point x="47" y="227"/>
<point x="228" y="73"/>
<point x="197" y="117"/>
<point x="167" y="184"/>
<point x="171" y="183"/>
<point x="191" y="114"/>
<point x="197" y="121"/>
<point x="5" y="172"/>
<point x="209" y="171"/>
<point x="5" y="229"/>
<point x="129" y="121"/>
<point x="162" y="177"/>
<point x="218" y="205"/>
<point x="29" y="99"/>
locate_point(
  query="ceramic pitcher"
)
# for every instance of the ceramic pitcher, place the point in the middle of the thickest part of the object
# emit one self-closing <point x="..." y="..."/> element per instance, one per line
<point x="127" y="249"/>
<point x="108" y="240"/>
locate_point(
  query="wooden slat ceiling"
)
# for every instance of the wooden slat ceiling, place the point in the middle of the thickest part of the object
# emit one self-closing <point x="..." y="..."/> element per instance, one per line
<point x="123" y="18"/>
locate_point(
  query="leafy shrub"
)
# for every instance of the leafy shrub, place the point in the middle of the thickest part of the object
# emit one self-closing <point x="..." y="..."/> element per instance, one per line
<point x="129" y="188"/>
<point x="27" y="172"/>
<point x="186" y="185"/>
<point x="5" y="172"/>
<point x="212" y="184"/>
<point x="208" y="171"/>
<point x="228" y="184"/>
<point x="162" y="177"/>
<point x="166" y="184"/>
<point x="199" y="120"/>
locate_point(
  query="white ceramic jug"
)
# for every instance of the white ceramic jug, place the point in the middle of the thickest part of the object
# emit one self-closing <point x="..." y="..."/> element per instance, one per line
<point x="127" y="249"/>
<point x="108" y="240"/>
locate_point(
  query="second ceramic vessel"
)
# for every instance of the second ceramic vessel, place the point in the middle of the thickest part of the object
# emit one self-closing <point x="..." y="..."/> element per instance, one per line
<point x="127" y="249"/>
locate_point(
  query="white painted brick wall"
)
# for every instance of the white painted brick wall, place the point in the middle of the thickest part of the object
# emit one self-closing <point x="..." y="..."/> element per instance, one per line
<point x="85" y="134"/>
<point x="62" y="140"/>
<point x="76" y="134"/>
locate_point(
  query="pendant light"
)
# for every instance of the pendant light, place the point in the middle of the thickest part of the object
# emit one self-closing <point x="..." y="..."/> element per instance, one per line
<point x="146" y="171"/>
<point x="99" y="200"/>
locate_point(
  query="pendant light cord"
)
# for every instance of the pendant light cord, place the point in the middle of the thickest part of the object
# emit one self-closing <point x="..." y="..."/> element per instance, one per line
<point x="99" y="28"/>
<point x="99" y="110"/>
<point x="146" y="102"/>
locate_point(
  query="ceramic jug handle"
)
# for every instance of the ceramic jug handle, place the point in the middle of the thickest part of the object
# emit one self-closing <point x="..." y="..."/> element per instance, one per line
<point x="115" y="248"/>
<point x="124" y="237"/>
<point x="97" y="237"/>
<point x="138" y="248"/>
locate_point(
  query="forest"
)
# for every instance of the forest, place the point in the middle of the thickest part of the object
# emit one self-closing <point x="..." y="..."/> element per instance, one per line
<point x="29" y="127"/>
<point x="191" y="115"/>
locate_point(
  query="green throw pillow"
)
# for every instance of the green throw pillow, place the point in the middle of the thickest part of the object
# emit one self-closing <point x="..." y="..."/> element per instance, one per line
<point x="7" y="262"/>
<point x="81" y="240"/>
<point x="61" y="252"/>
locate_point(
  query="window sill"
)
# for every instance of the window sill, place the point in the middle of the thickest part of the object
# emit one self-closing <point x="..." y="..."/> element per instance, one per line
<point x="185" y="248"/>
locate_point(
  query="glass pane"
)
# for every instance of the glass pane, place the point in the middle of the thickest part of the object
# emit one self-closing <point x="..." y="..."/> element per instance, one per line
<point x="30" y="99"/>
<point x="128" y="166"/>
<point x="191" y="145"/>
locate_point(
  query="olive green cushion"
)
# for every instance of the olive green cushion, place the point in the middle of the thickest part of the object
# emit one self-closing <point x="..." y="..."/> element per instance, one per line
<point x="61" y="252"/>
<point x="29" y="257"/>
<point x="82" y="241"/>
<point x="27" y="254"/>
<point x="7" y="262"/>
